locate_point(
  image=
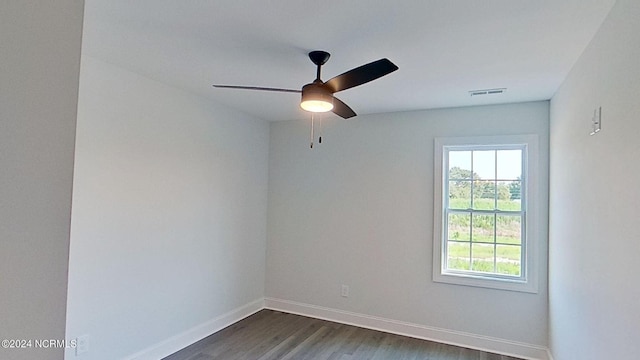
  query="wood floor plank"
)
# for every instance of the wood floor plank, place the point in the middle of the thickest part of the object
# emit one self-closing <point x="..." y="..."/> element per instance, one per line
<point x="295" y="339"/>
<point x="274" y="335"/>
<point x="247" y="337"/>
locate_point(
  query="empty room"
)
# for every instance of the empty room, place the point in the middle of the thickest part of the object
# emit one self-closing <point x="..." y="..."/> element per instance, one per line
<point x="205" y="180"/>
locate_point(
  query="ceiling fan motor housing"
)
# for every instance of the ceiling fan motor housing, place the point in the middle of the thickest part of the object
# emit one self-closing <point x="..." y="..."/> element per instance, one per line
<point x="316" y="98"/>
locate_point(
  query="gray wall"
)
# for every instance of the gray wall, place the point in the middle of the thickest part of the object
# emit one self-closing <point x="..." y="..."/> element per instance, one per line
<point x="39" y="66"/>
<point x="358" y="210"/>
<point x="169" y="214"/>
<point x="594" y="198"/>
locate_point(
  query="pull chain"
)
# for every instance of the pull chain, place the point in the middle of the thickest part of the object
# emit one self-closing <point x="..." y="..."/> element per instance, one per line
<point x="311" y="131"/>
<point x="311" y="135"/>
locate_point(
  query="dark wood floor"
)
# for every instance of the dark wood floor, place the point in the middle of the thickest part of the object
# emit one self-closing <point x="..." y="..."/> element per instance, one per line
<point x="274" y="335"/>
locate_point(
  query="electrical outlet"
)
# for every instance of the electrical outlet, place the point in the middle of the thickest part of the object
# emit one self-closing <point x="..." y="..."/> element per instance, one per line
<point x="345" y="291"/>
<point x="82" y="344"/>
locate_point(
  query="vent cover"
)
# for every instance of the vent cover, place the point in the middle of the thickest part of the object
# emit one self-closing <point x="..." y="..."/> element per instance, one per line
<point x="487" y="92"/>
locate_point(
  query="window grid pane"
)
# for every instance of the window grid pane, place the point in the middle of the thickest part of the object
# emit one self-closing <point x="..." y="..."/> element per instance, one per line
<point x="458" y="255"/>
<point x="459" y="194"/>
<point x="459" y="227"/>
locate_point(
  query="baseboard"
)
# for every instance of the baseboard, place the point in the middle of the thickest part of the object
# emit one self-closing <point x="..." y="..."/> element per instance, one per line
<point x="458" y="338"/>
<point x="180" y="341"/>
<point x="549" y="354"/>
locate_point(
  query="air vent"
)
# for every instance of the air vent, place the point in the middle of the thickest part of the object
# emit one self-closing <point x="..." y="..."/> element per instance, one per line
<point x="487" y="92"/>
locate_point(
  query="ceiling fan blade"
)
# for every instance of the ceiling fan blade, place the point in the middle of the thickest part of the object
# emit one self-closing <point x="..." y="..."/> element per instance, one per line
<point x="256" y="88"/>
<point x="341" y="109"/>
<point x="361" y="75"/>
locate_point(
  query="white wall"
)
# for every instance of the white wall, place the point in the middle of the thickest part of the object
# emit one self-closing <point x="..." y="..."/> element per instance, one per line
<point x="39" y="67"/>
<point x="594" y="198"/>
<point x="169" y="213"/>
<point x="358" y="210"/>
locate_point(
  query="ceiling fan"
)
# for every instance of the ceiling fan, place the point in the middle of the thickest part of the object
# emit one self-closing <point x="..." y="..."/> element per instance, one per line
<point x="317" y="96"/>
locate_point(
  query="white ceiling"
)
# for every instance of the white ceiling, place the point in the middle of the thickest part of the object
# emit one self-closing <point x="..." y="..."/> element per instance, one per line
<point x="444" y="48"/>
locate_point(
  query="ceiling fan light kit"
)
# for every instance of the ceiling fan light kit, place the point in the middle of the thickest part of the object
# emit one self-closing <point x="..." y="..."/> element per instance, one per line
<point x="316" y="98"/>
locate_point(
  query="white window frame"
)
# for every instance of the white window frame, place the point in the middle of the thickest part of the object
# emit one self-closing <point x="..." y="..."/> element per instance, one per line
<point x="528" y="282"/>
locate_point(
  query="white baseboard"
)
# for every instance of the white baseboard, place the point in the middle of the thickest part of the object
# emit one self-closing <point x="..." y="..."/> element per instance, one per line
<point x="549" y="354"/>
<point x="180" y="341"/>
<point x="458" y="338"/>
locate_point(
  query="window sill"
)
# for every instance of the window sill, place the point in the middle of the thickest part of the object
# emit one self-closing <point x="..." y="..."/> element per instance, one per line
<point x="486" y="282"/>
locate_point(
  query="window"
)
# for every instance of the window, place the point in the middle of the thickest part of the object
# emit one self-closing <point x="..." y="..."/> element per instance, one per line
<point x="485" y="217"/>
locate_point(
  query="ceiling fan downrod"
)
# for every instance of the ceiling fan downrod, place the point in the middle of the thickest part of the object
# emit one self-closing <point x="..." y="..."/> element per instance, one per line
<point x="319" y="58"/>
